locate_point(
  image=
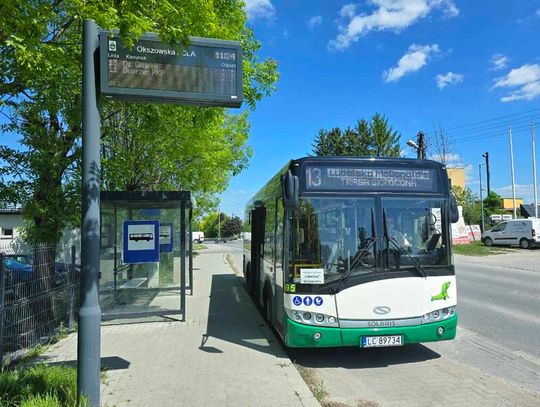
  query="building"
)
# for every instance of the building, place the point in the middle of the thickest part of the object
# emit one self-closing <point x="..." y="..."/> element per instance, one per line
<point x="507" y="204"/>
<point x="11" y="220"/>
<point x="457" y="176"/>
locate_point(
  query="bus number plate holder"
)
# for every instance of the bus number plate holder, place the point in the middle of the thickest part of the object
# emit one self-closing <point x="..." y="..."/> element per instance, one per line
<point x="381" y="341"/>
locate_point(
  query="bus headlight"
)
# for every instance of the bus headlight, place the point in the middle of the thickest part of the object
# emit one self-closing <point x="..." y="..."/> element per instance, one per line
<point x="308" y="318"/>
<point x="438" y="315"/>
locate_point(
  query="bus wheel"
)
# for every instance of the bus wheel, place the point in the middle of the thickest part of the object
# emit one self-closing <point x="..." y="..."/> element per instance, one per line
<point x="488" y="242"/>
<point x="524" y="243"/>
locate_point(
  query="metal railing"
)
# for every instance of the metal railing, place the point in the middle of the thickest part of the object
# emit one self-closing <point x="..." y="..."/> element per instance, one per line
<point x="38" y="298"/>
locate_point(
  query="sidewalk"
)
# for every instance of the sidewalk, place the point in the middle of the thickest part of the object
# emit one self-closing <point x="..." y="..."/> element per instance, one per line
<point x="219" y="357"/>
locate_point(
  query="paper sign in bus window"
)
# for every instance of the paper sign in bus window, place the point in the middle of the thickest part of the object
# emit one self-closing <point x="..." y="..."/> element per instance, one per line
<point x="312" y="276"/>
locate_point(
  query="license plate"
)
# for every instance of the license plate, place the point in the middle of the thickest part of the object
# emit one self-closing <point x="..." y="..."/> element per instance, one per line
<point x="381" y="341"/>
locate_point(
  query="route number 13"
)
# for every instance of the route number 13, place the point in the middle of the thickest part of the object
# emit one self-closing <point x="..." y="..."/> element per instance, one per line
<point x="313" y="176"/>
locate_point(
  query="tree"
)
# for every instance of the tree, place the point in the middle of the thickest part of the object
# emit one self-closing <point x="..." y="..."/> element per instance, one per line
<point x="440" y="145"/>
<point x="470" y="203"/>
<point x="211" y="224"/>
<point x="384" y="140"/>
<point x="492" y="203"/>
<point x="373" y="138"/>
<point x="231" y="227"/>
<point x="40" y="62"/>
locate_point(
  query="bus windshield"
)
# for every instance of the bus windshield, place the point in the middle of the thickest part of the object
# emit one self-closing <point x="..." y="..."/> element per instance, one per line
<point x="333" y="235"/>
<point x="414" y="233"/>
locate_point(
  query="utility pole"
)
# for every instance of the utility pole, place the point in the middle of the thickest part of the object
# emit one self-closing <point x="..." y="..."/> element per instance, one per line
<point x="481" y="199"/>
<point x="486" y="156"/>
<point x="219" y="224"/>
<point x="534" y="172"/>
<point x="512" y="168"/>
<point x="421" y="145"/>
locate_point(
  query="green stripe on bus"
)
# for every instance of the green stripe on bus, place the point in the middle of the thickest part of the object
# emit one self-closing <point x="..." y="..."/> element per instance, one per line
<point x="301" y="336"/>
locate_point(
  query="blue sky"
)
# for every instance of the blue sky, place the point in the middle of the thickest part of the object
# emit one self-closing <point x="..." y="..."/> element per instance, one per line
<point x="419" y="62"/>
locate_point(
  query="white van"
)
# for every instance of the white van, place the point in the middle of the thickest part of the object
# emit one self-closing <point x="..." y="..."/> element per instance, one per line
<point x="198" y="237"/>
<point x="523" y="232"/>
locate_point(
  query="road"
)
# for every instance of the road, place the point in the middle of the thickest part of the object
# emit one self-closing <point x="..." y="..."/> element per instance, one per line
<point x="494" y="360"/>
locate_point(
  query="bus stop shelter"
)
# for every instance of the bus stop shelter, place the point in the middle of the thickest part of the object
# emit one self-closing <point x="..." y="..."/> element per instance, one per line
<point x="145" y="252"/>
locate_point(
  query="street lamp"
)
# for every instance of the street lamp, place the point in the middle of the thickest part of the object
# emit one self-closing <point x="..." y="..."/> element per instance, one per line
<point x="419" y="146"/>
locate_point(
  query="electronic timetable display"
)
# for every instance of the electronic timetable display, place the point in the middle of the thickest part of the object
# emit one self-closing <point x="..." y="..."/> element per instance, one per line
<point x="365" y="178"/>
<point x="208" y="72"/>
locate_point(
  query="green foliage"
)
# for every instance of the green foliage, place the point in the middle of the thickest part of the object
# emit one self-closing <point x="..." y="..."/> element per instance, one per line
<point x="492" y="203"/>
<point x="470" y="203"/>
<point x="210" y="224"/>
<point x="40" y="93"/>
<point x="28" y="386"/>
<point x="231" y="226"/>
<point x="373" y="138"/>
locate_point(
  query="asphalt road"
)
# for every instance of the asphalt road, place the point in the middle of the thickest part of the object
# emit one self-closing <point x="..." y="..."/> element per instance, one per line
<point x="494" y="360"/>
<point x="501" y="303"/>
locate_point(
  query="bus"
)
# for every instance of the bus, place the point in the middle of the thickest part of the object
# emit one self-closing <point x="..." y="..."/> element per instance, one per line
<point x="351" y="251"/>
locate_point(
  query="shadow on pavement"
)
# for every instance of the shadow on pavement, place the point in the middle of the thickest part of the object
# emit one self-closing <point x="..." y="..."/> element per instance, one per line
<point x="357" y="358"/>
<point x="107" y="363"/>
<point x="230" y="317"/>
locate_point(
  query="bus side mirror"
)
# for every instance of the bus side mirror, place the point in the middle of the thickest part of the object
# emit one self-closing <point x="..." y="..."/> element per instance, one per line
<point x="454" y="212"/>
<point x="289" y="185"/>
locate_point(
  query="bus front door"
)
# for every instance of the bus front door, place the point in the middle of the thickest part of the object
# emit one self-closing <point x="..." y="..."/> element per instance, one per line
<point x="257" y="242"/>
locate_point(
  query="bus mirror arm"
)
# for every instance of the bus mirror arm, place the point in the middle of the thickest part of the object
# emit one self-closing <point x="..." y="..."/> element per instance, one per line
<point x="454" y="212"/>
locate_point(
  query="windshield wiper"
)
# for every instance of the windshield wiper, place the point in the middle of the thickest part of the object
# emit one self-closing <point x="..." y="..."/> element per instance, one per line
<point x="415" y="262"/>
<point x="400" y="249"/>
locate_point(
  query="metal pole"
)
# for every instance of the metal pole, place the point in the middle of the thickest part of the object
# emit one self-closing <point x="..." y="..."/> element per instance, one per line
<point x="183" y="259"/>
<point x="88" y="346"/>
<point x="71" y="282"/>
<point x="219" y="224"/>
<point x="534" y="173"/>
<point x="481" y="199"/>
<point x="488" y="176"/>
<point x="190" y="251"/>
<point x="512" y="168"/>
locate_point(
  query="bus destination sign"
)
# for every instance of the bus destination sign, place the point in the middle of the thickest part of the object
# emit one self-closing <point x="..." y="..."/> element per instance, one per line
<point x="207" y="73"/>
<point x="348" y="178"/>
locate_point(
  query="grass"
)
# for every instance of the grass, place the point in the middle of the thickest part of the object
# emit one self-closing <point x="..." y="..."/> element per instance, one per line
<point x="39" y="385"/>
<point x="198" y="246"/>
<point x="316" y="387"/>
<point x="479" y="249"/>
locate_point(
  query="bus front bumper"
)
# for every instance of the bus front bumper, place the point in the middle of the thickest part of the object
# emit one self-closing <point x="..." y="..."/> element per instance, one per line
<point x="302" y="336"/>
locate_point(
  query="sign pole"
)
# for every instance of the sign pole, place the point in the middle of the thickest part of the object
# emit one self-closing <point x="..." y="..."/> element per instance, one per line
<point x="88" y="346"/>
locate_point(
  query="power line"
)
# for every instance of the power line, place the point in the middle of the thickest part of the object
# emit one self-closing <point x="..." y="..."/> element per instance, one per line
<point x="506" y="124"/>
<point x="492" y="119"/>
<point x="515" y="130"/>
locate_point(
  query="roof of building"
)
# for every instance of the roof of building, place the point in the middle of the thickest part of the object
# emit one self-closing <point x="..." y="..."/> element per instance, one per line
<point x="11" y="211"/>
<point x="527" y="210"/>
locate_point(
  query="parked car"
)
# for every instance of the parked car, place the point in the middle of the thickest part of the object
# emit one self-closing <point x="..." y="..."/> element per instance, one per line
<point x="198" y="237"/>
<point x="21" y="272"/>
<point x="522" y="232"/>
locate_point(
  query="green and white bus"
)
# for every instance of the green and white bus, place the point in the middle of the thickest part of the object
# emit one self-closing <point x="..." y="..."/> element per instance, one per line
<point x="346" y="251"/>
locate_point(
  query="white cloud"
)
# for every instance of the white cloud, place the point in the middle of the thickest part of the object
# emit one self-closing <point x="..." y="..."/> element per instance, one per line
<point x="525" y="78"/>
<point x="452" y="160"/>
<point x="499" y="61"/>
<point x="314" y="21"/>
<point x="259" y="9"/>
<point x="524" y="191"/>
<point x="393" y="15"/>
<point x="449" y="78"/>
<point x="415" y="58"/>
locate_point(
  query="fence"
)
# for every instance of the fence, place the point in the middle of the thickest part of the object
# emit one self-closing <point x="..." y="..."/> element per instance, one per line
<point x="38" y="297"/>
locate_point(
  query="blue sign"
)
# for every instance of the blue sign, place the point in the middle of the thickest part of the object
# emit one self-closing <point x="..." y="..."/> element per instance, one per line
<point x="165" y="237"/>
<point x="141" y="241"/>
<point x="307" y="301"/>
<point x="318" y="301"/>
<point x="297" y="300"/>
